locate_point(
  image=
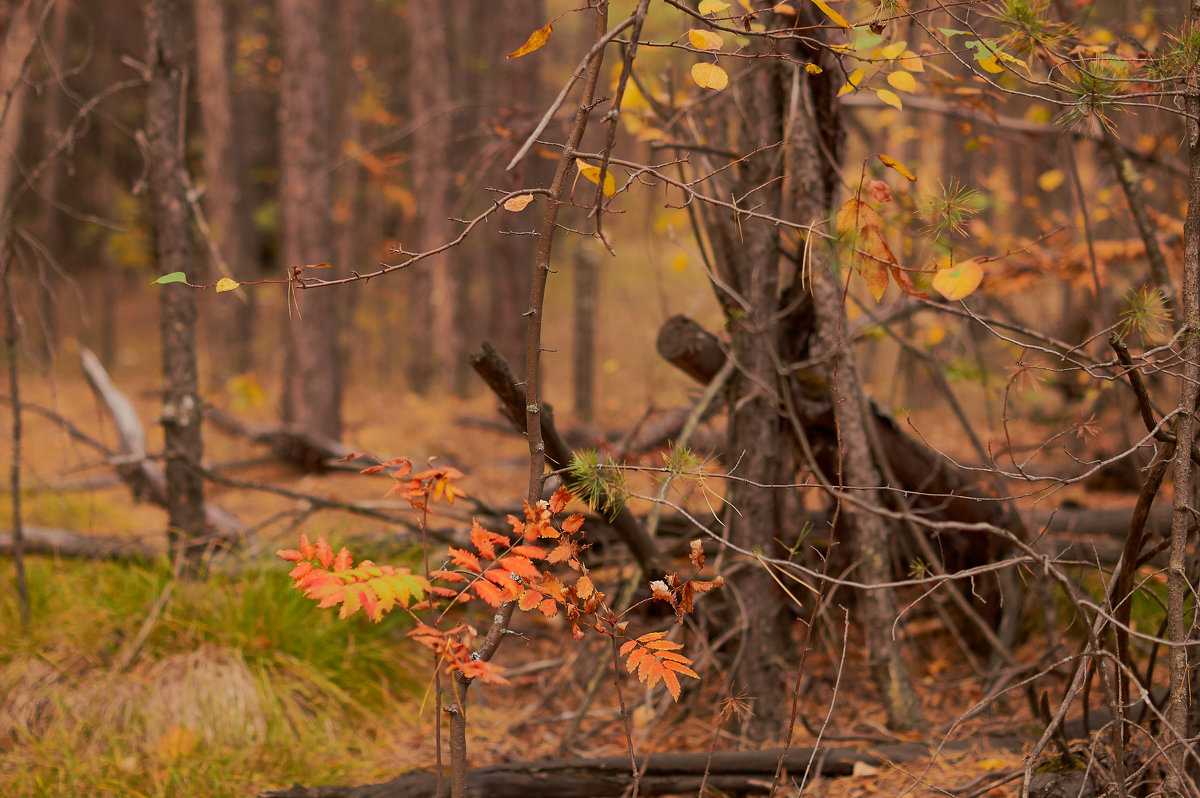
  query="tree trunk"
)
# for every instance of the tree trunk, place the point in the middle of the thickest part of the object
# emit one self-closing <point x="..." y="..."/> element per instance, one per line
<point x="1181" y="629"/>
<point x="583" y="360"/>
<point x="50" y="227"/>
<point x="181" y="413"/>
<point x="435" y="341"/>
<point x="313" y="390"/>
<point x="231" y="319"/>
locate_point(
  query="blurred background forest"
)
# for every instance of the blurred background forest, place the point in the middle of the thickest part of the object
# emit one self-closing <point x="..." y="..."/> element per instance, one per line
<point x="128" y="681"/>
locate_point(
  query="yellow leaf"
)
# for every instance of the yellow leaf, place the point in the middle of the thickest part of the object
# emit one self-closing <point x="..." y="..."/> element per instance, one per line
<point x="535" y="41"/>
<point x="893" y="50"/>
<point x="837" y="18"/>
<point x="318" y="266"/>
<point x="959" y="281"/>
<point x="1050" y="180"/>
<point x="710" y="76"/>
<point x="871" y="259"/>
<point x="890" y="98"/>
<point x="851" y="82"/>
<point x="592" y="173"/>
<point x="813" y="69"/>
<point x="911" y="61"/>
<point x="708" y="7"/>
<point x="904" y="81"/>
<point x="226" y="284"/>
<point x="705" y="39"/>
<point x="990" y="65"/>
<point x="889" y="161"/>
<point x="784" y="8"/>
<point x="518" y="203"/>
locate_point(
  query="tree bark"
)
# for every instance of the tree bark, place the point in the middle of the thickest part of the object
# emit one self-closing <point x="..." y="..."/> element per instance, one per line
<point x="1180" y="629"/>
<point x="313" y="391"/>
<point x="435" y="340"/>
<point x="181" y="413"/>
<point x="231" y="319"/>
<point x="583" y="363"/>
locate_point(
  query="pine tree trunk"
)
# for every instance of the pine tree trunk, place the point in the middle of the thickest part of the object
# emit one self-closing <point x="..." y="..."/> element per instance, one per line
<point x="231" y="320"/>
<point x="313" y="391"/>
<point x="181" y="413"/>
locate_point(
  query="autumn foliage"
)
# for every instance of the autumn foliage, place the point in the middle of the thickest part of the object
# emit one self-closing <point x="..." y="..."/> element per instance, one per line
<point x="496" y="568"/>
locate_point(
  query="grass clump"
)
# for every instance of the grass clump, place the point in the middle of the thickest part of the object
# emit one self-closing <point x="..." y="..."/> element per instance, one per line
<point x="131" y="683"/>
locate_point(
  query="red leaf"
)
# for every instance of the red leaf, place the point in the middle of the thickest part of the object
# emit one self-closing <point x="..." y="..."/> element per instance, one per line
<point x="343" y="561"/>
<point x="549" y="608"/>
<point x="529" y="600"/>
<point x="532" y="552"/>
<point x="375" y="469"/>
<point x="572" y="523"/>
<point x="291" y="555"/>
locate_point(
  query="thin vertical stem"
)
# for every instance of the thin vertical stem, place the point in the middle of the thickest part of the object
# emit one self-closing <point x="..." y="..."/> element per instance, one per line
<point x="14" y="390"/>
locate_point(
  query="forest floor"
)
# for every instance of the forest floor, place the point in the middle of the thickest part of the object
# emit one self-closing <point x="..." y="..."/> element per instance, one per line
<point x="130" y="683"/>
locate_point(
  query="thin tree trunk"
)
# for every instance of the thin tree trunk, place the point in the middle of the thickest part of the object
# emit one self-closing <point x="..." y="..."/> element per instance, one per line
<point x="1179" y="629"/>
<point x="583" y="361"/>
<point x="313" y="391"/>
<point x="50" y="227"/>
<point x="231" y="320"/>
<point x="181" y="413"/>
<point x="435" y="341"/>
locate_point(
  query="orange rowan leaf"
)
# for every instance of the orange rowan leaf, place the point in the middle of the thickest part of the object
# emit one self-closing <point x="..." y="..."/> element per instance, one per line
<point x="559" y="500"/>
<point x="324" y="552"/>
<point x="635" y="657"/>
<point x="483" y="540"/>
<point x="375" y="469"/>
<point x="488" y="592"/>
<point x="291" y="555"/>
<point x="649" y="636"/>
<point x="549" y="608"/>
<point x="529" y="600"/>
<point x="680" y="667"/>
<point x="532" y="552"/>
<point x="343" y="561"/>
<point x="307" y="550"/>
<point x="584" y="587"/>
<point x="447" y="576"/>
<point x="627" y="646"/>
<point x="465" y="559"/>
<point x="572" y="523"/>
<point x="483" y="671"/>
<point x="502" y="580"/>
<point x="521" y="566"/>
<point x="663" y="645"/>
<point x="672" y="683"/>
<point x="551" y="586"/>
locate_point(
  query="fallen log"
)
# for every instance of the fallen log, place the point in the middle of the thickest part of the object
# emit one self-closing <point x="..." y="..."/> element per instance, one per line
<point x="934" y="487"/>
<point x="490" y="365"/>
<point x="144" y="477"/>
<point x="65" y="543"/>
<point x="662" y="774"/>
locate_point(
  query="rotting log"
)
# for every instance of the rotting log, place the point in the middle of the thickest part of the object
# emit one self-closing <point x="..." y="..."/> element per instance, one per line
<point x="734" y="772"/>
<point x="65" y="543"/>
<point x="934" y="487"/>
<point x="490" y="365"/>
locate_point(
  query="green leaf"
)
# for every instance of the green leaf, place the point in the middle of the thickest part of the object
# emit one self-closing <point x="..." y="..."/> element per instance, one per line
<point x="173" y="277"/>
